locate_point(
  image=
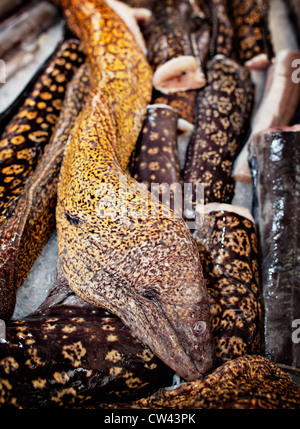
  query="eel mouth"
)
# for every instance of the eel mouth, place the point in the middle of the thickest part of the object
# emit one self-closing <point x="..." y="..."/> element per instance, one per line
<point x="259" y="62"/>
<point x="179" y="74"/>
<point x="184" y="347"/>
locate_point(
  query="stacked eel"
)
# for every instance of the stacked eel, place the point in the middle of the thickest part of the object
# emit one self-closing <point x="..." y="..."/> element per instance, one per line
<point x="157" y="272"/>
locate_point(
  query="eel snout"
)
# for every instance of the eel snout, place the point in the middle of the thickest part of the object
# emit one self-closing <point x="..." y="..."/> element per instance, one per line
<point x="183" y="333"/>
<point x="179" y="74"/>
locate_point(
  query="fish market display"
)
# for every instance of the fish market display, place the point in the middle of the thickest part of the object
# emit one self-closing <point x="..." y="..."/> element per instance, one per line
<point x="275" y="162"/>
<point x="28" y="229"/>
<point x="127" y="155"/>
<point x="228" y="247"/>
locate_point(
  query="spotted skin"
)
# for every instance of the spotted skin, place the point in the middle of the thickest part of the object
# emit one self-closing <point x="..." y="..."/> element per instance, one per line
<point x="156" y="161"/>
<point x="136" y="266"/>
<point x="184" y="102"/>
<point x="24" y="138"/>
<point x="247" y="382"/>
<point x="24" y="234"/>
<point x="73" y="355"/>
<point x="251" y="30"/>
<point x="168" y="38"/>
<point x="222" y="33"/>
<point x="221" y="121"/>
<point x="228" y="248"/>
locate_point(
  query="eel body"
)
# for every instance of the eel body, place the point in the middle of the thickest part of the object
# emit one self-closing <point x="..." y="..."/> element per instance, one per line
<point x="251" y="32"/>
<point x="277" y="107"/>
<point x="156" y="161"/>
<point x="68" y="354"/>
<point x="136" y="265"/>
<point x="222" y="34"/>
<point x="25" y="136"/>
<point x="247" y="382"/>
<point x="228" y="247"/>
<point x="170" y="49"/>
<point x="27" y="230"/>
<point x="221" y="121"/>
<point x="274" y="160"/>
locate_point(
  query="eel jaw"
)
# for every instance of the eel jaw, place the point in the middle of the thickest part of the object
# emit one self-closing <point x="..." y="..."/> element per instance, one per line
<point x="186" y="348"/>
<point x="179" y="74"/>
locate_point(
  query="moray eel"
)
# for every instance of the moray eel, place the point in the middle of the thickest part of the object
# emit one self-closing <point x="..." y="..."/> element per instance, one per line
<point x="247" y="382"/>
<point x="24" y="234"/>
<point x="274" y="159"/>
<point x="221" y="121"/>
<point x="115" y="253"/>
<point x="24" y="138"/>
<point x="170" y="49"/>
<point x="228" y="248"/>
<point x="68" y="354"/>
<point x="156" y="161"/>
<point x="222" y="34"/>
<point x="251" y="29"/>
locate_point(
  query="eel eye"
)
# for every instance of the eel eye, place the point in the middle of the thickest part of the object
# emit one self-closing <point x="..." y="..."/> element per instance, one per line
<point x="199" y="327"/>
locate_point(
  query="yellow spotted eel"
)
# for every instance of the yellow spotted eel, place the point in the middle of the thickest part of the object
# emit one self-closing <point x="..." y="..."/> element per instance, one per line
<point x="141" y="266"/>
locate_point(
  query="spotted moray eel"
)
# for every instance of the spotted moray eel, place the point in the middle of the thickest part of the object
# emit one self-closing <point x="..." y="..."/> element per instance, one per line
<point x="253" y="41"/>
<point x="27" y="230"/>
<point x="69" y="354"/>
<point x="247" y="382"/>
<point x="221" y="120"/>
<point x="135" y="265"/>
<point x="156" y="161"/>
<point x="24" y="138"/>
<point x="170" y="50"/>
<point x="229" y="251"/>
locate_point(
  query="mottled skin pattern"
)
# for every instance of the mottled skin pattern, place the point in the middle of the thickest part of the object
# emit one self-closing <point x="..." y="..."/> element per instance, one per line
<point x="248" y="382"/>
<point x="251" y="30"/>
<point x="221" y="120"/>
<point x="274" y="160"/>
<point x="222" y="34"/>
<point x="25" y="233"/>
<point x="182" y="101"/>
<point x="24" y="138"/>
<point x="168" y="37"/>
<point x="228" y="248"/>
<point x="156" y="160"/>
<point x="136" y="266"/>
<point x="68" y="354"/>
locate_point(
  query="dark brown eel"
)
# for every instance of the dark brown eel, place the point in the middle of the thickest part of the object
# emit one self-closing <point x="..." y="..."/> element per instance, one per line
<point x="134" y="263"/>
<point x="221" y="121"/>
<point x="25" y="136"/>
<point x="68" y="354"/>
<point x="156" y="161"/>
<point x="228" y="247"/>
<point x="275" y="160"/>
<point x="27" y="230"/>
